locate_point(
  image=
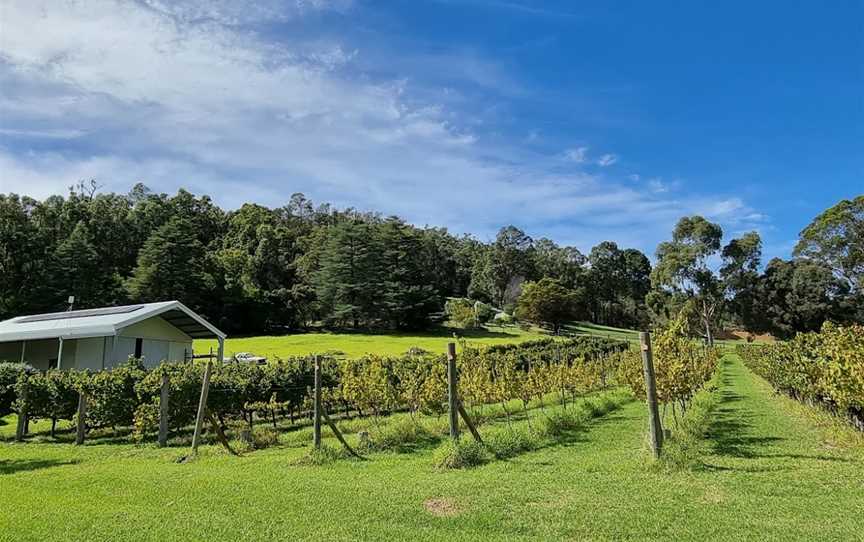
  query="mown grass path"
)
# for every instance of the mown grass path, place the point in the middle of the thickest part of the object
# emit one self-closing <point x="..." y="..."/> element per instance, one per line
<point x="769" y="475"/>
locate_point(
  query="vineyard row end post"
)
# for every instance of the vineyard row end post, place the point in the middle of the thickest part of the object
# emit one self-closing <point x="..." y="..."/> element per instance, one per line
<point x="21" y="428"/>
<point x="655" y="427"/>
<point x="452" y="391"/>
<point x="164" y="398"/>
<point x="316" y="430"/>
<point x="81" y="418"/>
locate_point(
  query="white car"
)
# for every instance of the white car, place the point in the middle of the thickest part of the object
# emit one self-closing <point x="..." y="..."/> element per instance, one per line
<point x="248" y="357"/>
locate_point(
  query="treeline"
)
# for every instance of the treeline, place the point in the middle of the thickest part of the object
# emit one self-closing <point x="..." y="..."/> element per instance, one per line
<point x="259" y="269"/>
<point x="822" y="282"/>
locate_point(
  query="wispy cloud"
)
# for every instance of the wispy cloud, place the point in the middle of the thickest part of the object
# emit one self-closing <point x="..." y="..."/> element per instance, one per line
<point x="188" y="96"/>
<point x="577" y="155"/>
<point x="607" y="160"/>
<point x="518" y="7"/>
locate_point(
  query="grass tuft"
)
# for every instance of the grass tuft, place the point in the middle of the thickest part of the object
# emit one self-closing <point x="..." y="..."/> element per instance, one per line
<point x="463" y="453"/>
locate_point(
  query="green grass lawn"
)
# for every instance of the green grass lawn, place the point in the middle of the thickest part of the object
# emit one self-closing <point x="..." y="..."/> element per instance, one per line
<point x="358" y="344"/>
<point x="773" y="470"/>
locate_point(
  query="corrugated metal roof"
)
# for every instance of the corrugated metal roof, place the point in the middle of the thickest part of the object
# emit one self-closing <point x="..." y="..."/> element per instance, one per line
<point x="104" y="322"/>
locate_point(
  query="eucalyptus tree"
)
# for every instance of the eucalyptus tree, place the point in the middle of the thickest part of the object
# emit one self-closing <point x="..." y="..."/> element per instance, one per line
<point x="683" y="267"/>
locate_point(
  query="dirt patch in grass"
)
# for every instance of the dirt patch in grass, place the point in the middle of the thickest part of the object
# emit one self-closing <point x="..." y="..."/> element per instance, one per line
<point x="442" y="507"/>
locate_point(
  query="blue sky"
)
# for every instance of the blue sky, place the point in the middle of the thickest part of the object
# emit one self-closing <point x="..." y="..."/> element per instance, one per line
<point x="580" y="121"/>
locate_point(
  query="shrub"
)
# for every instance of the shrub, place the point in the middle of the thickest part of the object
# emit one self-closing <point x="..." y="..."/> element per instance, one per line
<point x="111" y="397"/>
<point x="264" y="437"/>
<point x="52" y="395"/>
<point x="511" y="441"/>
<point x="398" y="435"/>
<point x="322" y="456"/>
<point x="9" y="374"/>
<point x="463" y="453"/>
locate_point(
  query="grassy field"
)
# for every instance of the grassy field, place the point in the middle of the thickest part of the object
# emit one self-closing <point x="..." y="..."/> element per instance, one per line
<point x="357" y="344"/>
<point x="772" y="470"/>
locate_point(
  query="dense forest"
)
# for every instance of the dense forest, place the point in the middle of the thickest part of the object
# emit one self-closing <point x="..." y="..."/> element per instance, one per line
<point x="256" y="269"/>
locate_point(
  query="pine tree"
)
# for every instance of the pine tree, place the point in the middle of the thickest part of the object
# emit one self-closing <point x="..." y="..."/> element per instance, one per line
<point x="171" y="266"/>
<point x="408" y="296"/>
<point x="347" y="282"/>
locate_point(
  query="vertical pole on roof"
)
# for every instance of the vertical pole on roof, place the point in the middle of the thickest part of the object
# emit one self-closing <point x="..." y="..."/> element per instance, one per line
<point x="23" y="350"/>
<point x="60" y="353"/>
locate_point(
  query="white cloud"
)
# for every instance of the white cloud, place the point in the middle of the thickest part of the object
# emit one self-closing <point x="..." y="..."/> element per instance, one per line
<point x="657" y="186"/>
<point x="634" y="177"/>
<point x="607" y="160"/>
<point x="184" y="95"/>
<point x="577" y="154"/>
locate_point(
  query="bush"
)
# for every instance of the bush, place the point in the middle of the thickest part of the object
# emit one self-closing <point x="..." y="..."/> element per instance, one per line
<point x="323" y="456"/>
<point x="9" y="374"/>
<point x="52" y="395"/>
<point x="511" y="441"/>
<point x="463" y="453"/>
<point x="399" y="435"/>
<point x="111" y="397"/>
<point x="264" y="437"/>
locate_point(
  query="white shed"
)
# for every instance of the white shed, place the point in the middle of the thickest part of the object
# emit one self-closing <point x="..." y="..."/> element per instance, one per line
<point x="101" y="338"/>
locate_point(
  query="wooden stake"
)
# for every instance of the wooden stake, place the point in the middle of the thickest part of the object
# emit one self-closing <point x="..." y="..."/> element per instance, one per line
<point x="202" y="408"/>
<point x="655" y="428"/>
<point x="452" y="391"/>
<point x="316" y="431"/>
<point x="164" y="399"/>
<point x="219" y="433"/>
<point x="81" y="419"/>
<point x="21" y="429"/>
<point x="338" y="434"/>
<point x="469" y="423"/>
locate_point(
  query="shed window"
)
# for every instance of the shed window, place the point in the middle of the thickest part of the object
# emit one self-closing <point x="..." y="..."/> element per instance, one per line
<point x="139" y="347"/>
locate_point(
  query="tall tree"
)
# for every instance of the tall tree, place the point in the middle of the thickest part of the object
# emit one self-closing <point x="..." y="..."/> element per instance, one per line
<point x="682" y="266"/>
<point x="797" y="296"/>
<point x="836" y="239"/>
<point x="547" y="302"/>
<point x="348" y="281"/>
<point x="171" y="265"/>
<point x="407" y="295"/>
<point x="740" y="276"/>
<point x="504" y="266"/>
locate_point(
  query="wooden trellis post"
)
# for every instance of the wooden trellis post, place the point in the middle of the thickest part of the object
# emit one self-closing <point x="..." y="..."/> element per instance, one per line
<point x="655" y="427"/>
<point x="21" y="428"/>
<point x="452" y="392"/>
<point x="81" y="425"/>
<point x="202" y="408"/>
<point x="164" y="398"/>
<point x="455" y="404"/>
<point x="316" y="430"/>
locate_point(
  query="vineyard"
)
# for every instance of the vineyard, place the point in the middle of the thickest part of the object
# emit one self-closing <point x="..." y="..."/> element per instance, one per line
<point x="825" y="368"/>
<point x="555" y="371"/>
<point x="555" y="417"/>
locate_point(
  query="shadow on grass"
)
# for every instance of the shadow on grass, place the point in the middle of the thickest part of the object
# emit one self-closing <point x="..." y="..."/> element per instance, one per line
<point x="12" y="466"/>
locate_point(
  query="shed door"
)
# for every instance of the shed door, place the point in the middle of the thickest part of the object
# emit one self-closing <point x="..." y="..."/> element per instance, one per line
<point x="154" y="352"/>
